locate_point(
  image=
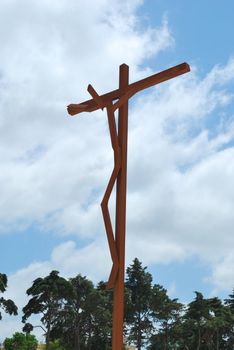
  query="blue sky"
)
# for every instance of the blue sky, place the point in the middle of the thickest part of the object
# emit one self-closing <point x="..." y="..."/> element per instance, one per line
<point x="202" y="30"/>
<point x="181" y="156"/>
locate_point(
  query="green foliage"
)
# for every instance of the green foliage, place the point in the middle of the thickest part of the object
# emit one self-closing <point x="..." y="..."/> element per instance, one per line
<point x="230" y="302"/>
<point x="204" y="324"/>
<point x="166" y="314"/>
<point x="6" y="304"/>
<point x="103" y="318"/>
<point x="21" y="341"/>
<point x="55" y="345"/>
<point x="28" y="327"/>
<point x="138" y="304"/>
<point x="85" y="320"/>
<point x="3" y="282"/>
<point x="48" y="295"/>
<point x="77" y="316"/>
<point x="230" y="306"/>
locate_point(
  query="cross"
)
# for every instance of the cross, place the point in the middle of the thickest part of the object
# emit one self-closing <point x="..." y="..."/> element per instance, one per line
<point x="111" y="101"/>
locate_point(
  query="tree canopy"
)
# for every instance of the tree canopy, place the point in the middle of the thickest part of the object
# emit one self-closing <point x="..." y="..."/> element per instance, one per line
<point x="21" y="341"/>
<point x="48" y="295"/>
<point x="76" y="315"/>
<point x="7" y="305"/>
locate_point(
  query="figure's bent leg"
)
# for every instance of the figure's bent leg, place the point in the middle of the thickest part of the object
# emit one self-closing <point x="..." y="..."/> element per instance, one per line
<point x="115" y="172"/>
<point x="104" y="203"/>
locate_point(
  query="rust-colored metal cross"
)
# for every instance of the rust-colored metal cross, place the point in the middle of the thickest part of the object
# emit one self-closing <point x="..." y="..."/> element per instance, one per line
<point x="118" y="99"/>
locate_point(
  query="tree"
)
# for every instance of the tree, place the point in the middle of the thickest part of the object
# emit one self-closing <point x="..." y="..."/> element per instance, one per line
<point x="71" y="323"/>
<point x="206" y="324"/>
<point x="21" y="341"/>
<point x="230" y="302"/>
<point x="230" y="305"/>
<point x="196" y="318"/>
<point x="102" y="329"/>
<point x="6" y="304"/>
<point x="138" y="308"/>
<point x="48" y="295"/>
<point x="217" y="325"/>
<point x="85" y="320"/>
<point x="55" y="345"/>
<point x="166" y="315"/>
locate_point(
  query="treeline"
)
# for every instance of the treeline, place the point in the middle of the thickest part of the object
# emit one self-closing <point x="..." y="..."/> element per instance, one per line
<point x="76" y="315"/>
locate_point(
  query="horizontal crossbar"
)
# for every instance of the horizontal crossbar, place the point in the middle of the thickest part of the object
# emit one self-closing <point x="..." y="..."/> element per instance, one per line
<point x="91" y="105"/>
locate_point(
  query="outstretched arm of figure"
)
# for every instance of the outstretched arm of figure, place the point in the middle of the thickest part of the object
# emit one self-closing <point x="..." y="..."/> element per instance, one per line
<point x="92" y="105"/>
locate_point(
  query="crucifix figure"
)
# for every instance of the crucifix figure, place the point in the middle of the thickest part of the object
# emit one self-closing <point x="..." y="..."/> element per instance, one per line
<point x="118" y="99"/>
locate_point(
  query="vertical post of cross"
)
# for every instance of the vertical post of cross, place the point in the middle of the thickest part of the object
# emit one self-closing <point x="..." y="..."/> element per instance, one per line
<point x="118" y="309"/>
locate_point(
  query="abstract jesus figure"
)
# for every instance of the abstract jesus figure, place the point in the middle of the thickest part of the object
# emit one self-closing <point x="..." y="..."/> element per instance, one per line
<point x="111" y="101"/>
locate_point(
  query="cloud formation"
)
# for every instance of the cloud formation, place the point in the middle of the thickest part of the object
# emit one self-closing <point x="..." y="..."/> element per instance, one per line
<point x="54" y="169"/>
<point x="49" y="167"/>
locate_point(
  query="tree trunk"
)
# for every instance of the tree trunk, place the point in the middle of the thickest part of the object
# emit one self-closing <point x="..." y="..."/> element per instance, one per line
<point x="89" y="335"/>
<point x="139" y="340"/>
<point x="77" y="333"/>
<point x="77" y="338"/>
<point x="139" y="332"/>
<point x="199" y="339"/>
<point x="166" y="337"/>
<point x="48" y="337"/>
<point x="217" y="340"/>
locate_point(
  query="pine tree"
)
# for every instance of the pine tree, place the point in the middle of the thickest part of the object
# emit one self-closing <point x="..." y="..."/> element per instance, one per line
<point x="7" y="305"/>
<point x="166" y="314"/>
<point x="196" y="318"/>
<point x="230" y="305"/>
<point x="138" y="316"/>
<point x="48" y="296"/>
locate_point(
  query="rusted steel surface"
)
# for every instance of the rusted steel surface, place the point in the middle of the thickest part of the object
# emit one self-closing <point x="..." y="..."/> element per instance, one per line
<point x="113" y="178"/>
<point x="104" y="203"/>
<point x="120" y="222"/>
<point x="119" y="174"/>
<point x="91" y="105"/>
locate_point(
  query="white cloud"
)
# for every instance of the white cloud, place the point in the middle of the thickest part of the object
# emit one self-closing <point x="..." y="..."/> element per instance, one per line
<point x="51" y="164"/>
<point x="181" y="169"/>
<point x="18" y="283"/>
<point x="223" y="273"/>
<point x="54" y="169"/>
<point x="92" y="261"/>
<point x="172" y="289"/>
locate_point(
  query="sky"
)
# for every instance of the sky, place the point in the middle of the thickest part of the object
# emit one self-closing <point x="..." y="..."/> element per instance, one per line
<point x="54" y="169"/>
